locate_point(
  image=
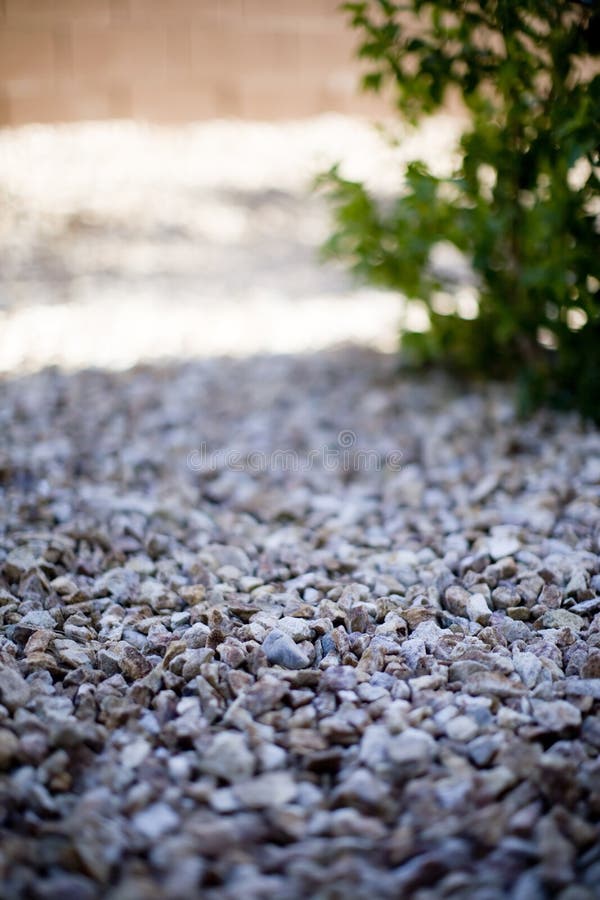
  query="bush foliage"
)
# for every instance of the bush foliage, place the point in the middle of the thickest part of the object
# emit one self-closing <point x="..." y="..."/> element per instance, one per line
<point x="523" y="205"/>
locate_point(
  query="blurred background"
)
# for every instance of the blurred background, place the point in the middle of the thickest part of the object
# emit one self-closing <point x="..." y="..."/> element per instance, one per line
<point x="156" y="162"/>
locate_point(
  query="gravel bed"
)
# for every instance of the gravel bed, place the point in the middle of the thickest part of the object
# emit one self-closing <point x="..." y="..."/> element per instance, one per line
<point x="222" y="679"/>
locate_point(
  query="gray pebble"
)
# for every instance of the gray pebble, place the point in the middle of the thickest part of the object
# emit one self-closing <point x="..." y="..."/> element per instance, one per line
<point x="281" y="650"/>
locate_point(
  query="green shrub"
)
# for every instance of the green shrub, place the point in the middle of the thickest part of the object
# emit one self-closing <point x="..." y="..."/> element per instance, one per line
<point x="523" y="206"/>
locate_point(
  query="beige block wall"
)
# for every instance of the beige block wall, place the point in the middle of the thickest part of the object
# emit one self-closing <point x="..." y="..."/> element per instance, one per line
<point x="175" y="60"/>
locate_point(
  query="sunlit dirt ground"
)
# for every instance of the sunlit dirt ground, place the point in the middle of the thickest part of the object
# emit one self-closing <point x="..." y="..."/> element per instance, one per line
<point x="122" y="242"/>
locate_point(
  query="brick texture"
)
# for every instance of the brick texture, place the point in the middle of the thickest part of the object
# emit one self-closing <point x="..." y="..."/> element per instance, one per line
<point x="63" y="60"/>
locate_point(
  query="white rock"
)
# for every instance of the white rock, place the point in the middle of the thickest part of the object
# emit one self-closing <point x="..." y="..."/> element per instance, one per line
<point x="134" y="754"/>
<point x="298" y="629"/>
<point x="555" y="714"/>
<point x="270" y="789"/>
<point x="461" y="728"/>
<point x="477" y="609"/>
<point x="500" y="546"/>
<point x="528" y="667"/>
<point x="228" y="757"/>
<point x="411" y="746"/>
<point x="155" y="821"/>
